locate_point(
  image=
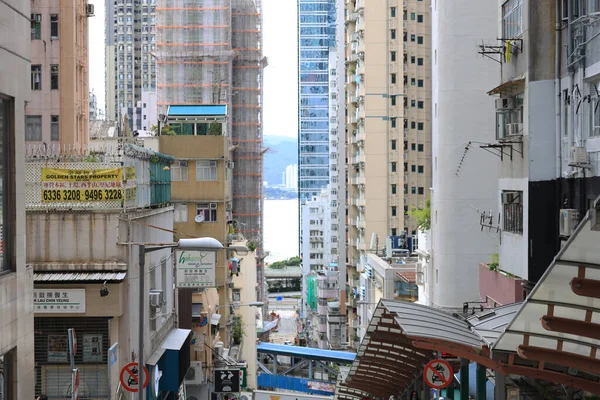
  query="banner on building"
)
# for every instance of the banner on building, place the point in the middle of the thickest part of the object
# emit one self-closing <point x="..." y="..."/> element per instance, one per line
<point x="321" y="386"/>
<point x="59" y="301"/>
<point x="84" y="185"/>
<point x="195" y="269"/>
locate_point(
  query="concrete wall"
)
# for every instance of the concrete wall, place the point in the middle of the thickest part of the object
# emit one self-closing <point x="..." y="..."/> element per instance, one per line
<point x="498" y="288"/>
<point x="246" y="281"/>
<point x="16" y="288"/>
<point x="462" y="112"/>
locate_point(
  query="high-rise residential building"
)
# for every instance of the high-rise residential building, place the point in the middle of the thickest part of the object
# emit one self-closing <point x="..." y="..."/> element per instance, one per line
<point x="388" y="101"/>
<point x="58" y="111"/>
<point x="322" y="135"/>
<point x="17" y="366"/>
<point x="316" y="46"/>
<point x="93" y="106"/>
<point x="290" y="177"/>
<point x="130" y="60"/>
<point x="209" y="54"/>
<point x="465" y="177"/>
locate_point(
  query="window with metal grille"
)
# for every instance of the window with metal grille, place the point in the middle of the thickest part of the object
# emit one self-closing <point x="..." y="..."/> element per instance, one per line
<point x="53" y="26"/>
<point x="36" y="26"/>
<point x="36" y="77"/>
<point x="54" y="128"/>
<point x="53" y="372"/>
<point x="513" y="218"/>
<point x="33" y="128"/>
<point x="54" y="77"/>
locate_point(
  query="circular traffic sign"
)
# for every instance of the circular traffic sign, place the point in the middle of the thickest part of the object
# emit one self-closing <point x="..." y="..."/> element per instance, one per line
<point x="438" y="374"/>
<point x="130" y="378"/>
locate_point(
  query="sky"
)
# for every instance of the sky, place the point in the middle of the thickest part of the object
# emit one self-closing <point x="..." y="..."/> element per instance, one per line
<point x="280" y="79"/>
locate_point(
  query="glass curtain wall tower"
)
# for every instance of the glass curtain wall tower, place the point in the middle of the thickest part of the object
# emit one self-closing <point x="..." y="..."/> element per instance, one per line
<point x="316" y="33"/>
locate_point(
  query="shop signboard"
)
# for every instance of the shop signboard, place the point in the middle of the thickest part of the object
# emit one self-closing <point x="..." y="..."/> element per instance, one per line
<point x="60" y="301"/>
<point x="227" y="380"/>
<point x="195" y="269"/>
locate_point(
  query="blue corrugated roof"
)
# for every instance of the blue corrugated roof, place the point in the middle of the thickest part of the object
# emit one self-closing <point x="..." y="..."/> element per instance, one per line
<point x="306" y="352"/>
<point x="198" y="111"/>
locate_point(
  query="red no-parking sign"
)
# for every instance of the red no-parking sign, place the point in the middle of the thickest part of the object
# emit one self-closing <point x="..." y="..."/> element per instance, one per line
<point x="130" y="378"/>
<point x="438" y="374"/>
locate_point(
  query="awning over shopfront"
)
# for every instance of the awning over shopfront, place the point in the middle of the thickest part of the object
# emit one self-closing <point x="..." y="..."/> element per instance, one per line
<point x="50" y="277"/>
<point x="555" y="335"/>
<point x="173" y="355"/>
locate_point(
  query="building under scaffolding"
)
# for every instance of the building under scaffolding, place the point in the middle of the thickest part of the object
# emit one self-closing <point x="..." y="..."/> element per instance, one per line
<point x="210" y="52"/>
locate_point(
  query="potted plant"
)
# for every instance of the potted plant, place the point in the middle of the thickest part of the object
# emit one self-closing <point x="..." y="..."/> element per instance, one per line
<point x="238" y="329"/>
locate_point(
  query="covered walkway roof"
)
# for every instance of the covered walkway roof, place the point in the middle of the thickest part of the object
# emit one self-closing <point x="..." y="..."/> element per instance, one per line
<point x="555" y="335"/>
<point x="342" y="357"/>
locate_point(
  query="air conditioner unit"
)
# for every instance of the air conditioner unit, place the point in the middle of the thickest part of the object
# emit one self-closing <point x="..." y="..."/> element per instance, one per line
<point x="156" y="298"/>
<point x="194" y="374"/>
<point x="183" y="163"/>
<point x="510" y="197"/>
<point x="504" y="104"/>
<point x="579" y="155"/>
<point x="568" y="220"/>
<point x="213" y="206"/>
<point x="212" y="164"/>
<point x="90" y="10"/>
<point x="230" y="164"/>
<point x="514" y="129"/>
<point x="36" y="17"/>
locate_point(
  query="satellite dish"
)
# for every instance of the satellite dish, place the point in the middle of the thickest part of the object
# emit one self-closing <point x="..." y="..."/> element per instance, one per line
<point x="200" y="217"/>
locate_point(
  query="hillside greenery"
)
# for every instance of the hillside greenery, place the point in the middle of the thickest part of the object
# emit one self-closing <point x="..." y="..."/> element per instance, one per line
<point x="290" y="262"/>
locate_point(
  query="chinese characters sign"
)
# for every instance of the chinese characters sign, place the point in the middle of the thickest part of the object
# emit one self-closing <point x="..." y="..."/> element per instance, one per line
<point x="195" y="269"/>
<point x="84" y="185"/>
<point x="59" y="300"/>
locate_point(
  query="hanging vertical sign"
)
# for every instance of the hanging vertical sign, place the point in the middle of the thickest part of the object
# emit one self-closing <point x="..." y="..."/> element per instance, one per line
<point x="195" y="269"/>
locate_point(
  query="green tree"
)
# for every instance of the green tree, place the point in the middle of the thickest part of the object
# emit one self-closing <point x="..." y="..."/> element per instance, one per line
<point x="215" y="129"/>
<point x="238" y="329"/>
<point x="166" y="130"/>
<point x="423" y="215"/>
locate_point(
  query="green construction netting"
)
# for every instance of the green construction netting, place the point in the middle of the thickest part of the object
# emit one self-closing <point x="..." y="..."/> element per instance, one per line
<point x="311" y="282"/>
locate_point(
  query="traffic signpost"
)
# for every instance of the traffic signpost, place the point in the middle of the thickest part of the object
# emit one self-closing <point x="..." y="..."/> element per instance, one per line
<point x="75" y="384"/>
<point x="130" y="378"/>
<point x="438" y="374"/>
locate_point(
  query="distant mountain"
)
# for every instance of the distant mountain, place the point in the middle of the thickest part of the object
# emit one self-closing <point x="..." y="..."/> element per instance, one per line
<point x="283" y="151"/>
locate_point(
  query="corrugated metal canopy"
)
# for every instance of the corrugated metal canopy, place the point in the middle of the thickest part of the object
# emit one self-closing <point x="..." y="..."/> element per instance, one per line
<point x="79" y="276"/>
<point x="417" y="320"/>
<point x="490" y="324"/>
<point x="197" y="111"/>
<point x="559" y="321"/>
<point x="387" y="362"/>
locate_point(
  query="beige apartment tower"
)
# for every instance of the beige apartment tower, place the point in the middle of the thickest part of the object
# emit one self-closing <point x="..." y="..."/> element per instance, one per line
<point x="58" y="110"/>
<point x="388" y="100"/>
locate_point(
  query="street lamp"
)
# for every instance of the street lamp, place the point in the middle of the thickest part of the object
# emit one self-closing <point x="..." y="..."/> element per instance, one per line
<point x="197" y="244"/>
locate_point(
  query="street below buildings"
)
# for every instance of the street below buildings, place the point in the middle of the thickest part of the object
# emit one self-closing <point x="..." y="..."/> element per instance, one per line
<point x="286" y="308"/>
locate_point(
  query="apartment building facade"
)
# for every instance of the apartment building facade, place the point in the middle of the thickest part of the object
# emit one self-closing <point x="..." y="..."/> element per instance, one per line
<point x="220" y="63"/>
<point x="17" y="374"/>
<point x="549" y="83"/>
<point x="130" y="36"/>
<point x="58" y="111"/>
<point x="388" y="104"/>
